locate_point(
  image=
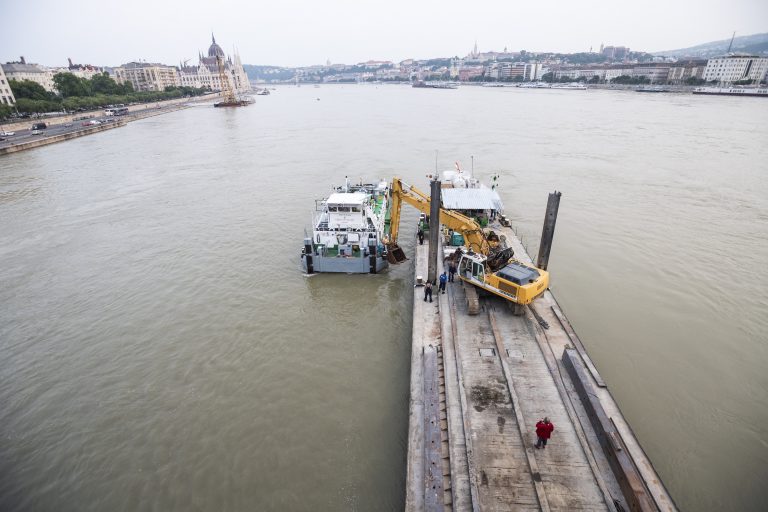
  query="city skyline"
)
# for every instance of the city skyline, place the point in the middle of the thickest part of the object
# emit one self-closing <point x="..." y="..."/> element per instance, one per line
<point x="302" y="33"/>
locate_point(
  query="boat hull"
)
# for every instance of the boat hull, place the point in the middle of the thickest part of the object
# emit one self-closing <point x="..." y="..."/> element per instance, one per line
<point x="344" y="265"/>
<point x="757" y="92"/>
<point x="232" y="104"/>
<point x="751" y="94"/>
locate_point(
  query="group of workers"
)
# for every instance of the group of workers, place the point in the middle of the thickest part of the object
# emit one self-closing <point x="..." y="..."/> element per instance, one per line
<point x="445" y="277"/>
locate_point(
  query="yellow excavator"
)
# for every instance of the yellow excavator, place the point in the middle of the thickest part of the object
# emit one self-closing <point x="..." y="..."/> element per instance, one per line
<point x="484" y="264"/>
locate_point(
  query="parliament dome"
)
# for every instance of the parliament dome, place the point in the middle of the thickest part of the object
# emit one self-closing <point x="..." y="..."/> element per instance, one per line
<point x="215" y="50"/>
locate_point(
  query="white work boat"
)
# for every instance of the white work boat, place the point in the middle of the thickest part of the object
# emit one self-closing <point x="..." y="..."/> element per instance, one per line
<point x="347" y="231"/>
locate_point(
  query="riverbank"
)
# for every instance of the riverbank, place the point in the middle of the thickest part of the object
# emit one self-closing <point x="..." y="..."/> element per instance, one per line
<point x="72" y="126"/>
<point x="44" y="141"/>
<point x="23" y="124"/>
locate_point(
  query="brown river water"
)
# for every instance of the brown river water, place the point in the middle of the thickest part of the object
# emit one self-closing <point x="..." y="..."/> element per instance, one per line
<point x="160" y="349"/>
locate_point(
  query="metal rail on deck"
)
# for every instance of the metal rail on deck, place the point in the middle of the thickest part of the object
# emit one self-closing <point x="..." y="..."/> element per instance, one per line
<point x="463" y="400"/>
<point x="433" y="469"/>
<point x="568" y="328"/>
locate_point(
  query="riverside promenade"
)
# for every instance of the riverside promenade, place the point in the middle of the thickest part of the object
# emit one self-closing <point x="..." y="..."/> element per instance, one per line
<point x="479" y="385"/>
<point x="62" y="128"/>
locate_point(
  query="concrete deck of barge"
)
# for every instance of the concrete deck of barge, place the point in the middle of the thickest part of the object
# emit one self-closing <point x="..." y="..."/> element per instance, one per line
<point x="480" y="383"/>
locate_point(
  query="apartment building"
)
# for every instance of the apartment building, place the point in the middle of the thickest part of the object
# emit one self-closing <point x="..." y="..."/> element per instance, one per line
<point x="656" y="73"/>
<point x="679" y="72"/>
<point x="6" y="94"/>
<point x="736" y="67"/>
<point x="147" y="76"/>
<point x="34" y="72"/>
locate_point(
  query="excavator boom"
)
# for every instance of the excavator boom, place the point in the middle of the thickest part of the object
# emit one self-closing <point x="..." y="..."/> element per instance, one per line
<point x="402" y="192"/>
<point x="493" y="270"/>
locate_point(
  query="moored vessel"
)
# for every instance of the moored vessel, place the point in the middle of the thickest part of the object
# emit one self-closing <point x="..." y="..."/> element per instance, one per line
<point x="733" y="91"/>
<point x="348" y="228"/>
<point x="654" y="88"/>
<point x="420" y="84"/>
<point x="233" y="103"/>
<point x="576" y="86"/>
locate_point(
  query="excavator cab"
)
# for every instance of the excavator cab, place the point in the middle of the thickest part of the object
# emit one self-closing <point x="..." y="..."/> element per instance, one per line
<point x="514" y="280"/>
<point x="472" y="266"/>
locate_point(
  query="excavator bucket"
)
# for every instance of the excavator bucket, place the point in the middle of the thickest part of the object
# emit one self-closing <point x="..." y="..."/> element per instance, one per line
<point x="395" y="254"/>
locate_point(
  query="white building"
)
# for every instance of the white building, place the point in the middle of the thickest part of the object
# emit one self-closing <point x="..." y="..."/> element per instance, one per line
<point x="657" y="74"/>
<point x="34" y="72"/>
<point x="681" y="71"/>
<point x="6" y="94"/>
<point x="577" y="73"/>
<point x="506" y="71"/>
<point x="454" y="68"/>
<point x="536" y="70"/>
<point x="206" y="73"/>
<point x="734" y="68"/>
<point x="613" y="73"/>
<point x="199" y="76"/>
<point x="147" y="76"/>
<point x="390" y="74"/>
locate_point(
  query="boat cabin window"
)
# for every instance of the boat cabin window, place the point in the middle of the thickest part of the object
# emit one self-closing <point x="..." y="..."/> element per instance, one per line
<point x="344" y="209"/>
<point x="477" y="270"/>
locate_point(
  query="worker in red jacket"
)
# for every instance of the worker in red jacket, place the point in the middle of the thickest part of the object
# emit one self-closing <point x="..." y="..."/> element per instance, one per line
<point x="544" y="429"/>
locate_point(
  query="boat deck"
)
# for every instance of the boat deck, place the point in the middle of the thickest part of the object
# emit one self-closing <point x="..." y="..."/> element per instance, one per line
<point x="480" y="383"/>
<point x="379" y="204"/>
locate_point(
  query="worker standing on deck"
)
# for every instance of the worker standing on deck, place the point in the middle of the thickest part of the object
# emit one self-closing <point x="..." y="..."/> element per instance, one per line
<point x="443" y="280"/>
<point x="451" y="271"/>
<point x="428" y="291"/>
<point x="544" y="429"/>
<point x="420" y="234"/>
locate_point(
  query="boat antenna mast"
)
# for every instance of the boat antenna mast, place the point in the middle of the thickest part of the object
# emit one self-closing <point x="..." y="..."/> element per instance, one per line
<point x="731" y="43"/>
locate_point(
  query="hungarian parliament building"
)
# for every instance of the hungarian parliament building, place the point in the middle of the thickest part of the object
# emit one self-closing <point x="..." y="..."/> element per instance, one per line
<point x="206" y="73"/>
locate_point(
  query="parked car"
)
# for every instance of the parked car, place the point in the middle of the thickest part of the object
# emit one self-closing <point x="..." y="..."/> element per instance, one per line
<point x="39" y="126"/>
<point x="37" y="132"/>
<point x="6" y="134"/>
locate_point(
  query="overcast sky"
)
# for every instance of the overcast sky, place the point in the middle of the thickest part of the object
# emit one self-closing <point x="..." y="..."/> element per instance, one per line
<point x="305" y="32"/>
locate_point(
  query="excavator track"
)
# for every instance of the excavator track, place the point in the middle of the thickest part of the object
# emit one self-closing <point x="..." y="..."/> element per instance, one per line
<point x="473" y="300"/>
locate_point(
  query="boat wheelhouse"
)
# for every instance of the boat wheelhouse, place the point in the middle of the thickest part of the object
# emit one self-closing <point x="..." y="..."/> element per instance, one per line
<point x="347" y="231"/>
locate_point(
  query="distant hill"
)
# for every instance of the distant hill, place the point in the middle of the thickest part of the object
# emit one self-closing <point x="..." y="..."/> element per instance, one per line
<point x="756" y="44"/>
<point x="268" y="73"/>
